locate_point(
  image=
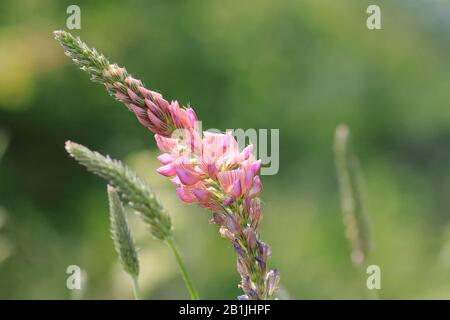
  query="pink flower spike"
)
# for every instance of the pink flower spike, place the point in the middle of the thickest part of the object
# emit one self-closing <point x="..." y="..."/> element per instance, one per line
<point x="165" y="158"/>
<point x="187" y="177"/>
<point x="168" y="170"/>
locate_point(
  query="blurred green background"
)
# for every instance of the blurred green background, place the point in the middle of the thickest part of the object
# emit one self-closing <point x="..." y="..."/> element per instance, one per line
<point x="301" y="66"/>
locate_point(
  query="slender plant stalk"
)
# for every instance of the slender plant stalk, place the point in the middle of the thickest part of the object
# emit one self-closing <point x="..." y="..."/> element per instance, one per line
<point x="4" y="139"/>
<point x="186" y="277"/>
<point x="351" y="186"/>
<point x="136" y="291"/>
<point x="352" y="197"/>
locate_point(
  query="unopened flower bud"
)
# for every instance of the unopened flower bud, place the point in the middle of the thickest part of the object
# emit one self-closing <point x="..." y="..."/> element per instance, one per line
<point x="250" y="237"/>
<point x="232" y="224"/>
<point x="240" y="266"/>
<point x="272" y="281"/>
<point x="224" y="232"/>
<point x="255" y="213"/>
<point x="218" y="218"/>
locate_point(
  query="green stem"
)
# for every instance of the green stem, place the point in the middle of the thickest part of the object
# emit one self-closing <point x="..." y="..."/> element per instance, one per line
<point x="136" y="293"/>
<point x="187" y="279"/>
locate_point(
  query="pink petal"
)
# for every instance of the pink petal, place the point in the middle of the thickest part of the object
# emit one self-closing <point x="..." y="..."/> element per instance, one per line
<point x="176" y="181"/>
<point x="236" y="190"/>
<point x="122" y="97"/>
<point x="154" y="119"/>
<point x="227" y="200"/>
<point x="165" y="158"/>
<point x="230" y="146"/>
<point x="141" y="114"/>
<point x="168" y="170"/>
<point x="256" y="187"/>
<point x="228" y="178"/>
<point x="256" y="166"/>
<point x="152" y="107"/>
<point x="133" y="96"/>
<point x="185" y="195"/>
<point x="155" y="94"/>
<point x="246" y="153"/>
<point x="191" y="115"/>
<point x="144" y="92"/>
<point x="161" y="103"/>
<point x="187" y="177"/>
<point x="175" y="111"/>
<point x="202" y="195"/>
<point x="247" y="178"/>
<point x="213" y="146"/>
<point x="165" y="144"/>
<point x="212" y="170"/>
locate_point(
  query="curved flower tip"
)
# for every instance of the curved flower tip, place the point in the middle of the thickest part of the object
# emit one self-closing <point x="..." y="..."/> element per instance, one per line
<point x="165" y="158"/>
<point x="245" y="154"/>
<point x="256" y="187"/>
<point x="256" y="166"/>
<point x="168" y="170"/>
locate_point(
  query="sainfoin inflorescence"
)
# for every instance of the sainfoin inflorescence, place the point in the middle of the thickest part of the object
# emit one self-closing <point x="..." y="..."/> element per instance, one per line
<point x="206" y="168"/>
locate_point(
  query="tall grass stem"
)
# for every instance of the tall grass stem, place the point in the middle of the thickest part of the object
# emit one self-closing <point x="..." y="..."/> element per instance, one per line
<point x="186" y="277"/>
